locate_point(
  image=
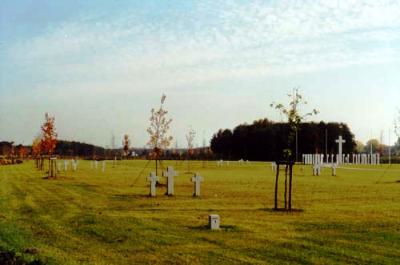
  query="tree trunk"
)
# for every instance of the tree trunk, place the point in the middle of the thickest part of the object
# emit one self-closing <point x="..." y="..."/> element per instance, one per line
<point x="156" y="166"/>
<point x="290" y="186"/>
<point x="285" y="194"/>
<point x="276" y="188"/>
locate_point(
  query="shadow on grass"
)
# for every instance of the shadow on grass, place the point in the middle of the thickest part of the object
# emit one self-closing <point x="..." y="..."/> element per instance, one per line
<point x="128" y="197"/>
<point x="282" y="210"/>
<point x="223" y="228"/>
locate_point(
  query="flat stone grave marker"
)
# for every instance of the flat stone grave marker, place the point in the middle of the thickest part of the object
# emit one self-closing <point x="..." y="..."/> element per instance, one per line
<point x="214" y="221"/>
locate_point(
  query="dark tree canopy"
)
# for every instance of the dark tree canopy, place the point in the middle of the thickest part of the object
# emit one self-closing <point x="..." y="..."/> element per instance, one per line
<point x="265" y="140"/>
<point x="67" y="148"/>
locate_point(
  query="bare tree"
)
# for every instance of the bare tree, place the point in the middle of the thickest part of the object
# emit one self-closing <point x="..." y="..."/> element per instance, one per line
<point x="397" y="125"/>
<point x="158" y="131"/>
<point x="190" y="139"/>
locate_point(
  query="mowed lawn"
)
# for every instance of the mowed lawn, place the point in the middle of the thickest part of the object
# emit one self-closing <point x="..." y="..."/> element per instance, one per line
<point x="91" y="217"/>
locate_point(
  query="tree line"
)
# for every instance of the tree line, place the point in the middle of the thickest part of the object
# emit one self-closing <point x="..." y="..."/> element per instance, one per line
<point x="265" y="140"/>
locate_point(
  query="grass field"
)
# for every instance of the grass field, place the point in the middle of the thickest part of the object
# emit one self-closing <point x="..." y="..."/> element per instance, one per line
<point x="90" y="217"/>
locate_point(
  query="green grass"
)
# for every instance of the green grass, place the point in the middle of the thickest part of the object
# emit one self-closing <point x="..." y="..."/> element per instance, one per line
<point x="90" y="217"/>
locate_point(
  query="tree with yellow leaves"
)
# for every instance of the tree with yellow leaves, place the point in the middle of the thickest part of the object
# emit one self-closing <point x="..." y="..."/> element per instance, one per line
<point x="158" y="131"/>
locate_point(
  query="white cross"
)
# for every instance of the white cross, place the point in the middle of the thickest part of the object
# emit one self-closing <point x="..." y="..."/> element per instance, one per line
<point x="334" y="166"/>
<point x="340" y="142"/>
<point x="153" y="180"/>
<point x="74" y="165"/>
<point x="197" y="179"/>
<point x="316" y="170"/>
<point x="170" y="174"/>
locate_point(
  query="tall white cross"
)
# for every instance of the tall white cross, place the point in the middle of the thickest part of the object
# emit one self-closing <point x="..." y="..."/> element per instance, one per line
<point x="153" y="181"/>
<point x="170" y="174"/>
<point x="340" y="142"/>
<point x="197" y="179"/>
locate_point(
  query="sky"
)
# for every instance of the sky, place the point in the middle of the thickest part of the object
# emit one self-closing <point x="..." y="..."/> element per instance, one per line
<point x="100" y="66"/>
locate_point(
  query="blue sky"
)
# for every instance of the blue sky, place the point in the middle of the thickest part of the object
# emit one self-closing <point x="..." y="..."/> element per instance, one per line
<point x="100" y="66"/>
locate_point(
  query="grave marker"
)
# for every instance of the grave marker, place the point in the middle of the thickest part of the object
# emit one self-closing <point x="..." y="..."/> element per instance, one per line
<point x="340" y="142"/>
<point x="197" y="179"/>
<point x="170" y="174"/>
<point x="214" y="221"/>
<point x="153" y="181"/>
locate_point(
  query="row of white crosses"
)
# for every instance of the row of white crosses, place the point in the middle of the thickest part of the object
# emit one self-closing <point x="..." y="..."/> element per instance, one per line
<point x="74" y="164"/>
<point x="358" y="159"/>
<point x="221" y="163"/>
<point x="340" y="158"/>
<point x="94" y="164"/>
<point x="170" y="174"/>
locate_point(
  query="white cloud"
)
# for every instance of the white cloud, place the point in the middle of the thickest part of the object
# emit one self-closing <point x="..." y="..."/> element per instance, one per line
<point x="129" y="52"/>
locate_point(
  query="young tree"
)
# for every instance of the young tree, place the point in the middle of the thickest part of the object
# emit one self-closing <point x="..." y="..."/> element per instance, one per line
<point x="126" y="145"/>
<point x="37" y="150"/>
<point x="190" y="139"/>
<point x="294" y="118"/>
<point x="158" y="131"/>
<point x="49" y="140"/>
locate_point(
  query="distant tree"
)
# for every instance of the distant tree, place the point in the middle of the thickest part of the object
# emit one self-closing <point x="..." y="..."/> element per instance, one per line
<point x="190" y="151"/>
<point x="397" y="126"/>
<point x="126" y="145"/>
<point x="372" y="146"/>
<point x="21" y="151"/>
<point x="49" y="140"/>
<point x="158" y="131"/>
<point x="360" y="147"/>
<point x="190" y="139"/>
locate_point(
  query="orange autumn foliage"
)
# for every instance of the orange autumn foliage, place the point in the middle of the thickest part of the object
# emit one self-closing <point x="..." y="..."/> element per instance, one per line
<point x="48" y="141"/>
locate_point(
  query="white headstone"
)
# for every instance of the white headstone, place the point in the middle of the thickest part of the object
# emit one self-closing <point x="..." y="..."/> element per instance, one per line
<point x="65" y="165"/>
<point x="197" y="179"/>
<point x="273" y="166"/>
<point x="170" y="174"/>
<point x="334" y="166"/>
<point x="103" y="168"/>
<point x="74" y="164"/>
<point x="214" y="221"/>
<point x="95" y="164"/>
<point x="153" y="181"/>
<point x="316" y="170"/>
